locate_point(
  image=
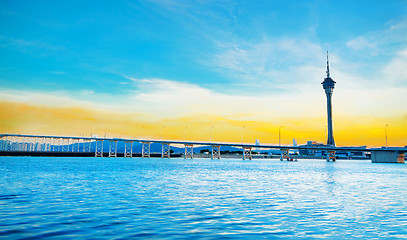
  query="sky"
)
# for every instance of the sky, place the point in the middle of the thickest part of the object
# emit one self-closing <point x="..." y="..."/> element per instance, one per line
<point x="231" y="70"/>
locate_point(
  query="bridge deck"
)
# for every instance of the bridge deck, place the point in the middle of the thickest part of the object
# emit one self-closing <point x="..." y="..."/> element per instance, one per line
<point x="205" y="143"/>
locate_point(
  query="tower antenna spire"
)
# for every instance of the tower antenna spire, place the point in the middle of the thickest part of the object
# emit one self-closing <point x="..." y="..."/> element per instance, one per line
<point x="327" y="65"/>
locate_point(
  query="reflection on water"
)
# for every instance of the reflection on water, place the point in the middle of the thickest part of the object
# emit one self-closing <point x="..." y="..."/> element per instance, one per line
<point x="177" y="198"/>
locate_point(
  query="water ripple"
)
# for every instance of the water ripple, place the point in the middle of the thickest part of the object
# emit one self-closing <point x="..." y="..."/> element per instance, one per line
<point x="109" y="198"/>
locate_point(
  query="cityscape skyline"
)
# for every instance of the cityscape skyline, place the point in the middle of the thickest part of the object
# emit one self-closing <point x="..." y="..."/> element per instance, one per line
<point x="132" y="67"/>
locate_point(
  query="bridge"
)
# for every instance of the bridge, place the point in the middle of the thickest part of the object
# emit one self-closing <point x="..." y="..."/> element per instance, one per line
<point x="76" y="144"/>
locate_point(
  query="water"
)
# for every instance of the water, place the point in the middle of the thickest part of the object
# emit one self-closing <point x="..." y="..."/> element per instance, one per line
<point x="121" y="198"/>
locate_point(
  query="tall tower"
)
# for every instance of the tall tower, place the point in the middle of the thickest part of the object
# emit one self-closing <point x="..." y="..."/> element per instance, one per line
<point x="329" y="85"/>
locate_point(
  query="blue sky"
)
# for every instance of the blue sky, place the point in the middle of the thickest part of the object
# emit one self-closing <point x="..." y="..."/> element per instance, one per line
<point x="170" y="58"/>
<point x="92" y="45"/>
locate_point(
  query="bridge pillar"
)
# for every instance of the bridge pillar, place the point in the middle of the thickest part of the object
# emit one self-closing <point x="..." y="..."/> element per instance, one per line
<point x="388" y="157"/>
<point x="128" y="148"/>
<point x="16" y="143"/>
<point x="145" y="149"/>
<point x="41" y="144"/>
<point x="47" y="144"/>
<point x="247" y="153"/>
<point x="53" y="144"/>
<point x="330" y="156"/>
<point x="23" y="145"/>
<point x="215" y="152"/>
<point x="285" y="154"/>
<point x="87" y="145"/>
<point x="30" y="144"/>
<point x="11" y="144"/>
<point x="189" y="151"/>
<point x="113" y="148"/>
<point x="60" y="142"/>
<point x="165" y="153"/>
<point x="2" y="143"/>
<point x="81" y="141"/>
<point x="75" y="145"/>
<point x="36" y="144"/>
<point x="19" y="146"/>
<point x="8" y="144"/>
<point x="66" y="145"/>
<point x="26" y="144"/>
<point x="99" y="148"/>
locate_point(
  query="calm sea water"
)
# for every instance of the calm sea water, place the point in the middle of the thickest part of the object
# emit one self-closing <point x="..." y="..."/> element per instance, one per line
<point x="121" y="198"/>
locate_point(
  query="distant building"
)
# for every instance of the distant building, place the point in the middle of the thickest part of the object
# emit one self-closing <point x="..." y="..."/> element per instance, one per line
<point x="339" y="154"/>
<point x="257" y="143"/>
<point x="311" y="152"/>
<point x="295" y="145"/>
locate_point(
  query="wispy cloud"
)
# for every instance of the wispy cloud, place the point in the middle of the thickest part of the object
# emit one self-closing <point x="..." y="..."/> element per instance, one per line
<point x="58" y="72"/>
<point x="270" y="63"/>
<point x="383" y="41"/>
<point x="29" y="46"/>
<point x="395" y="71"/>
<point x="165" y="98"/>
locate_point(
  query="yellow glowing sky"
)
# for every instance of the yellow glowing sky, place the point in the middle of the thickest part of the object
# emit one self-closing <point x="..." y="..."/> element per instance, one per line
<point x="30" y="119"/>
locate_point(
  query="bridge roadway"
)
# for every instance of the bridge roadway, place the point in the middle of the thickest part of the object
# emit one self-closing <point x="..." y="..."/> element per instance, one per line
<point x="26" y="142"/>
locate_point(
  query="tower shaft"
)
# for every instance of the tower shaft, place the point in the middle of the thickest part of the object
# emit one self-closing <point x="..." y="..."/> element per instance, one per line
<point x="330" y="140"/>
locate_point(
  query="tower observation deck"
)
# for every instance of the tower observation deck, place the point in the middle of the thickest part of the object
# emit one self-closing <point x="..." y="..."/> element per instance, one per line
<point x="328" y="85"/>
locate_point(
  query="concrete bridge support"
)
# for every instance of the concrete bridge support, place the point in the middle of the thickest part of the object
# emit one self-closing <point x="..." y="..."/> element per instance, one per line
<point x="66" y="143"/>
<point x="285" y="154"/>
<point x="87" y="145"/>
<point x="113" y="148"/>
<point x="99" y="148"/>
<point x="58" y="147"/>
<point x="330" y="156"/>
<point x="44" y="144"/>
<point x="189" y="151"/>
<point x="34" y="145"/>
<point x="388" y="157"/>
<point x="2" y="143"/>
<point x="145" y="149"/>
<point x="165" y="150"/>
<point x="247" y="153"/>
<point x="215" y="152"/>
<point x="128" y="148"/>
<point x="47" y="144"/>
<point x="75" y="145"/>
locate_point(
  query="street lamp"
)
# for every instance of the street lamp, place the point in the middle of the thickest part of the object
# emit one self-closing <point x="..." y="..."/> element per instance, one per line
<point x="385" y="133"/>
<point x="241" y="134"/>
<point x="279" y="136"/>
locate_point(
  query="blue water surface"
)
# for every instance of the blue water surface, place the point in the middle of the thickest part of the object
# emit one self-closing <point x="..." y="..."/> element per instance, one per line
<point x="121" y="198"/>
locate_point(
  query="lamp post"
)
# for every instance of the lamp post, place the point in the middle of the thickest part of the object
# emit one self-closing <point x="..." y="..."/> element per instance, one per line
<point x="385" y="133"/>
<point x="241" y="134"/>
<point x="279" y="136"/>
